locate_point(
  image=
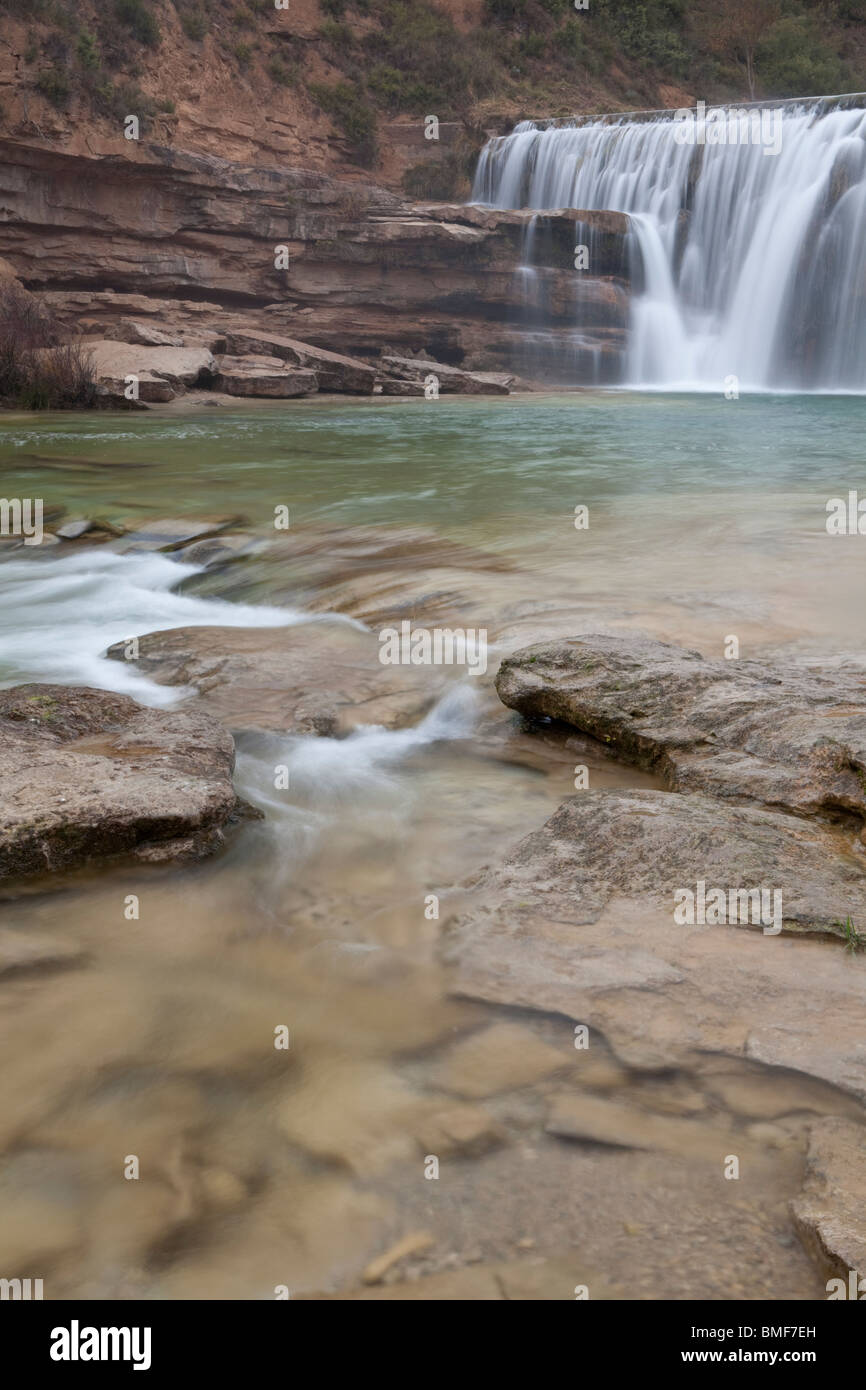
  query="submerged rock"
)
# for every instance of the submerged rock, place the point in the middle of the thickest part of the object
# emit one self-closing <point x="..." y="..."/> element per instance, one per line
<point x="88" y="774"/>
<point x="599" y="1120"/>
<point x="787" y="736"/>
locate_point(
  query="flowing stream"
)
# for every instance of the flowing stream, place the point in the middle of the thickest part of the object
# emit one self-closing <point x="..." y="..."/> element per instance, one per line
<point x="263" y="1169"/>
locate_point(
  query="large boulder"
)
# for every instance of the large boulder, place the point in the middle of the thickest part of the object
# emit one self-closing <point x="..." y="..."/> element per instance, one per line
<point x="263" y="376"/>
<point x="346" y="375"/>
<point x="88" y="774"/>
<point x="788" y="736"/>
<point x="152" y="389"/>
<point x="179" y="366"/>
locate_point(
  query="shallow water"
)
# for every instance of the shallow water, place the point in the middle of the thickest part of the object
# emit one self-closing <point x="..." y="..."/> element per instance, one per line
<point x="261" y="1166"/>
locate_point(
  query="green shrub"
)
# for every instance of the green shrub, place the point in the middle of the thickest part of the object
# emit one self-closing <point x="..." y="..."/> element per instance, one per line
<point x="570" y="41"/>
<point x="352" y="114"/>
<point x="280" y="72"/>
<point x="122" y="99"/>
<point x="243" y="52"/>
<point x="650" y="31"/>
<point x="138" y="19"/>
<point x="422" y="43"/>
<point x="339" y="36"/>
<point x="398" y="92"/>
<point x="194" y="25"/>
<point x="533" y="46"/>
<point x="87" y="51"/>
<point x="54" y="84"/>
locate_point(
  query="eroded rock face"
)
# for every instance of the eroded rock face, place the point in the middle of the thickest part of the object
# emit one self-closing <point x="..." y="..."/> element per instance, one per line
<point x="365" y="267"/>
<point x="87" y="774"/>
<point x="781" y="735"/>
<point x="579" y="919"/>
<point x="830" y="1215"/>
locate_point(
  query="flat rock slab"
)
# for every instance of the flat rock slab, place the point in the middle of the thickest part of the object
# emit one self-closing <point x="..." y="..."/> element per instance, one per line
<point x="452" y="380"/>
<point x="143" y="334"/>
<point x="88" y="774"/>
<point x="831" y="1213"/>
<point x="335" y="373"/>
<point x="648" y="845"/>
<point x="263" y="376"/>
<point x="183" y="366"/>
<point x="579" y="919"/>
<point x="322" y="677"/>
<point x="782" y="735"/>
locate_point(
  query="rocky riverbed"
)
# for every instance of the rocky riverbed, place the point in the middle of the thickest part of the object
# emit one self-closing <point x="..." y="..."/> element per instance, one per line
<point x="581" y="1065"/>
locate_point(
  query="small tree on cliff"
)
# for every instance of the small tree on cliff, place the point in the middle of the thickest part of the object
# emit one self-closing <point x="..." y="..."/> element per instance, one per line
<point x="738" y="30"/>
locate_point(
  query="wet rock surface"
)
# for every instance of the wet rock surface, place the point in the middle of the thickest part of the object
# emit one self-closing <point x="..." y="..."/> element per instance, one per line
<point x="830" y="1214"/>
<point x="87" y="774"/>
<point x="320" y="677"/>
<point x="646" y="846"/>
<point x="579" y="919"/>
<point x="783" y="735"/>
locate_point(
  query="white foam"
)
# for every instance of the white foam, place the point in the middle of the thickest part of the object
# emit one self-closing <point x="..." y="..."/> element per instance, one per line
<point x="59" y="616"/>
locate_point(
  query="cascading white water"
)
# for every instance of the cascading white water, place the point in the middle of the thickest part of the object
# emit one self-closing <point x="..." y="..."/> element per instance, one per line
<point x="753" y="257"/>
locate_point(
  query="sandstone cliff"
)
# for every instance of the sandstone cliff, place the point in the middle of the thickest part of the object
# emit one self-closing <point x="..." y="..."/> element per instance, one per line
<point x="193" y="240"/>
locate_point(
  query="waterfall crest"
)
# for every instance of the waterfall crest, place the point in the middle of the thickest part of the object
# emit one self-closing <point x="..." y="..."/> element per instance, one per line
<point x="753" y="257"/>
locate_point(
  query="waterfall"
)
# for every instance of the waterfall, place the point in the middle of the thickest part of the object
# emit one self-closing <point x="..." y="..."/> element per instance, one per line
<point x="748" y="227"/>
